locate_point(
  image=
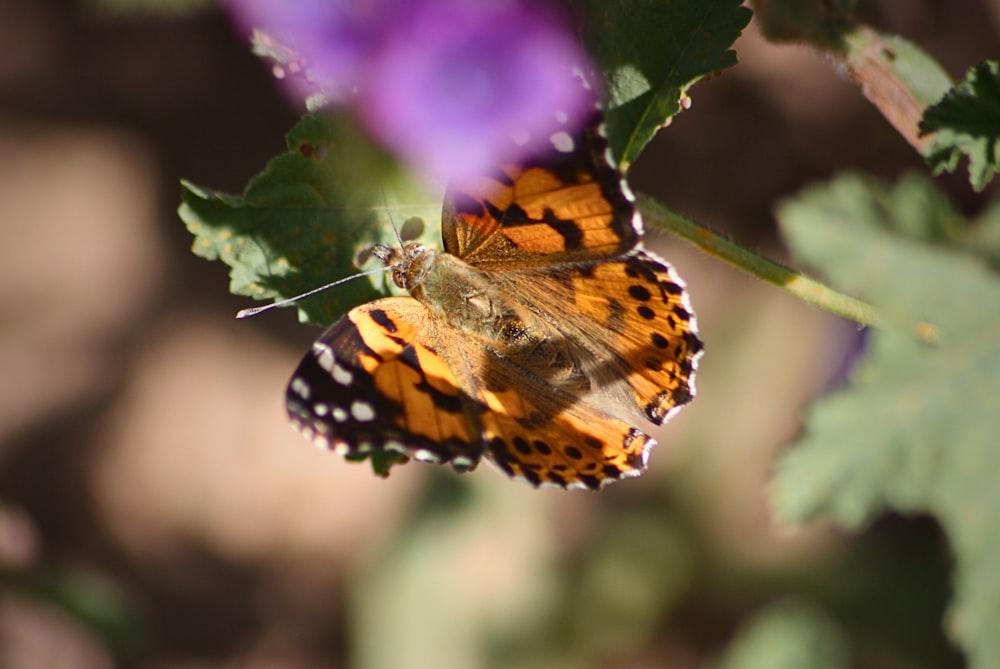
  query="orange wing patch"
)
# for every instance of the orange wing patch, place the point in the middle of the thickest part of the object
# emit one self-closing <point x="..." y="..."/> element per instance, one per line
<point x="547" y="437"/>
<point x="404" y="369"/>
<point x="374" y="381"/>
<point x="565" y="207"/>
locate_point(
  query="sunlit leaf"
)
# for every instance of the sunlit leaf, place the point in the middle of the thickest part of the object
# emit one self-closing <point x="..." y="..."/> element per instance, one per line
<point x="307" y="218"/>
<point x="652" y="51"/>
<point x="966" y="123"/>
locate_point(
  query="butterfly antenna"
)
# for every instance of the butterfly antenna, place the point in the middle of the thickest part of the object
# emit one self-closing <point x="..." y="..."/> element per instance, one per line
<point x="395" y="229"/>
<point x="253" y="311"/>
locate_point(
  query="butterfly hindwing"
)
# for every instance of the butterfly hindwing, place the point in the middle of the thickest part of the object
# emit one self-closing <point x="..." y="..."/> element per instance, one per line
<point x="540" y="433"/>
<point x="638" y="308"/>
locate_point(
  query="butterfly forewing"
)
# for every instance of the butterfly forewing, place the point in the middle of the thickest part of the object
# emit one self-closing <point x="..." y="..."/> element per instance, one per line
<point x="375" y="381"/>
<point x="567" y="206"/>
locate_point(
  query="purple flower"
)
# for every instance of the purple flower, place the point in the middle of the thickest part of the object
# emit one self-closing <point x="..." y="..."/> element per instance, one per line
<point x="336" y="38"/>
<point x="467" y="78"/>
<point x="445" y="84"/>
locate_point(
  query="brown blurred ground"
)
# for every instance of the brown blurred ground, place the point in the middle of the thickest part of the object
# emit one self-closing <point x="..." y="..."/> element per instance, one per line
<point x="142" y="437"/>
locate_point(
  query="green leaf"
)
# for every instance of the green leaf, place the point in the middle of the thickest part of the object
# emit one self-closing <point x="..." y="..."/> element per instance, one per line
<point x="787" y="635"/>
<point x="627" y="590"/>
<point x="917" y="429"/>
<point x="652" y="51"/>
<point x="983" y="235"/>
<point x="307" y="217"/>
<point x="96" y="602"/>
<point x="967" y="123"/>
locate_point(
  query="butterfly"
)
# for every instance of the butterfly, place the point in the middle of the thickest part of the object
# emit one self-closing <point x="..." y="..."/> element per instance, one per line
<point x="537" y="339"/>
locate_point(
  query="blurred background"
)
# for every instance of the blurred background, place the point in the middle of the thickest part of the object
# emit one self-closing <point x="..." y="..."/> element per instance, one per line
<point x="157" y="511"/>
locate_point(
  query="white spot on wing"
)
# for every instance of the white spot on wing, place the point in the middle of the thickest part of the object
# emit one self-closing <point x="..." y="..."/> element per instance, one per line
<point x="423" y="455"/>
<point x="324" y="356"/>
<point x="626" y="191"/>
<point x="300" y="388"/>
<point x="341" y="375"/>
<point x="362" y="411"/>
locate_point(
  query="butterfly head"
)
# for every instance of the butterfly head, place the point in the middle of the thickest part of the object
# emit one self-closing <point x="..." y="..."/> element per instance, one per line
<point x="409" y="263"/>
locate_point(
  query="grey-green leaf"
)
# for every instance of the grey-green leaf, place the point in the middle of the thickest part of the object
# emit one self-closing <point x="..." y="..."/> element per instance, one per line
<point x="917" y="430"/>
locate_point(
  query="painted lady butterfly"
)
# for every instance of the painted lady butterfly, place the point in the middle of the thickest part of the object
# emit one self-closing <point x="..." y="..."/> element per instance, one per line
<point x="536" y="339"/>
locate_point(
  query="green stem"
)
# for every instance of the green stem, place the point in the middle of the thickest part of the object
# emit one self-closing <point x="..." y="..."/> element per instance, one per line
<point x="802" y="287"/>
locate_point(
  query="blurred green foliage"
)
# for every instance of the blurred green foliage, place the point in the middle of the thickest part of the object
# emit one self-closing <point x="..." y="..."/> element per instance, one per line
<point x="147" y="8"/>
<point x="787" y="635"/>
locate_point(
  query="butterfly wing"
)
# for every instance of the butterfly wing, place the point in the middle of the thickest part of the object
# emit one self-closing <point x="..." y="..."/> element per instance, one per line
<point x="638" y="310"/>
<point x="566" y="206"/>
<point x="629" y="325"/>
<point x="542" y="434"/>
<point x="386" y="378"/>
<point x="561" y="235"/>
<point x="376" y="381"/>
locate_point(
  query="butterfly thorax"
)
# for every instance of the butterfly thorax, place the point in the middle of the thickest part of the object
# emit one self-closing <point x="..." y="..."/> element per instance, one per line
<point x="462" y="295"/>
